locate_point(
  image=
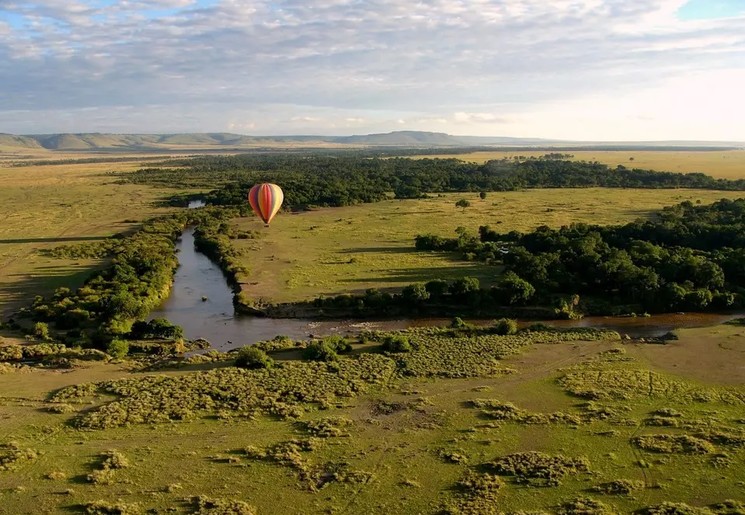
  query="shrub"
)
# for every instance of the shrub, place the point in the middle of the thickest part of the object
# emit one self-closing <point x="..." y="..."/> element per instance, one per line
<point x="41" y="330"/>
<point x="203" y="505"/>
<point x="618" y="487"/>
<point x="327" y="427"/>
<point x="673" y="508"/>
<point x="505" y="326"/>
<point x="252" y="357"/>
<point x="396" y="343"/>
<point x="668" y="444"/>
<point x="538" y="468"/>
<point x="338" y="343"/>
<point x="106" y="508"/>
<point x="458" y="323"/>
<point x="11" y="455"/>
<point x="584" y="506"/>
<point x="117" y="348"/>
<point x="320" y="351"/>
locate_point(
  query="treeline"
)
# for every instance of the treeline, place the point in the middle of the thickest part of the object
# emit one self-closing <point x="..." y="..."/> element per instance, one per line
<point x="462" y="297"/>
<point x="139" y="277"/>
<point x="688" y="257"/>
<point x="352" y="178"/>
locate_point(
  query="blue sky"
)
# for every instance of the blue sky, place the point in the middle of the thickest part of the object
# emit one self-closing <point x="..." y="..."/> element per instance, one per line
<point x="711" y="9"/>
<point x="570" y="69"/>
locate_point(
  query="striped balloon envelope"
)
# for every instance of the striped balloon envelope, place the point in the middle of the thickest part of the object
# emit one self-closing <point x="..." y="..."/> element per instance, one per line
<point x="265" y="200"/>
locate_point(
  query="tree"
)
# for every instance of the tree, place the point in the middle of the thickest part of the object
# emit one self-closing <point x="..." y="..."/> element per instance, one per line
<point x="464" y="286"/>
<point x="463" y="203"/>
<point x="514" y="289"/>
<point x="415" y="293"/>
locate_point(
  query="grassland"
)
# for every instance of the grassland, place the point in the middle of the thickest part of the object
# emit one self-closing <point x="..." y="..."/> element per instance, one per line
<point x="399" y="443"/>
<point x="44" y="206"/>
<point x="455" y="426"/>
<point x="723" y="164"/>
<point x="349" y="249"/>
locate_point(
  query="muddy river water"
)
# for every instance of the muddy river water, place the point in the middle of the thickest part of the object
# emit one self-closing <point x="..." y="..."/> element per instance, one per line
<point x="201" y="301"/>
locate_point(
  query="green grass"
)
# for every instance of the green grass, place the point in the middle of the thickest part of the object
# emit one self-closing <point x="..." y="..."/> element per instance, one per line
<point x="350" y="249"/>
<point x="406" y="444"/>
<point x="724" y="164"/>
<point x="45" y="206"/>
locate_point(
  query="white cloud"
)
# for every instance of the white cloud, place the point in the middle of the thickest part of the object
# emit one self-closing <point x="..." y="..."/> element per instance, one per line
<point x="481" y="65"/>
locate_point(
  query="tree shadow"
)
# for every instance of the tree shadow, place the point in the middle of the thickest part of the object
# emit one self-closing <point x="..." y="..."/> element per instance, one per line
<point x="385" y="250"/>
<point x="41" y="281"/>
<point x="484" y="273"/>
<point x="59" y="239"/>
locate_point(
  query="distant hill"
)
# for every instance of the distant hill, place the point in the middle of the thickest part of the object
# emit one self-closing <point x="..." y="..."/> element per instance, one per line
<point x="20" y="142"/>
<point x="228" y="141"/>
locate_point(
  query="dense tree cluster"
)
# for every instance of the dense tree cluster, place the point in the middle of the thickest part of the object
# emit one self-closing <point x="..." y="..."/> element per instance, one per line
<point x="140" y="274"/>
<point x="348" y="178"/>
<point x="510" y="295"/>
<point x="687" y="258"/>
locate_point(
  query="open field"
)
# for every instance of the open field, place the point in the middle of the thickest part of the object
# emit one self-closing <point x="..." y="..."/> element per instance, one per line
<point x="45" y="206"/>
<point x="349" y="249"/>
<point x="401" y="445"/>
<point x="723" y="164"/>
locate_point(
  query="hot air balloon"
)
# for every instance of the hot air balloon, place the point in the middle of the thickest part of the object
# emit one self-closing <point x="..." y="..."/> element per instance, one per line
<point x="265" y="200"/>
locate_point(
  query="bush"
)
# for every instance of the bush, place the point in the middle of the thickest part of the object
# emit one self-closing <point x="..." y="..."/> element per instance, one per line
<point x="536" y="468"/>
<point x="41" y="330"/>
<point x="206" y="505"/>
<point x="396" y="343"/>
<point x="458" y="323"/>
<point x="584" y="506"/>
<point x="670" y="444"/>
<point x="252" y="357"/>
<point x="505" y="326"/>
<point x="338" y="343"/>
<point x="320" y="351"/>
<point x="118" y="348"/>
<point x="107" y="508"/>
<point x="618" y="487"/>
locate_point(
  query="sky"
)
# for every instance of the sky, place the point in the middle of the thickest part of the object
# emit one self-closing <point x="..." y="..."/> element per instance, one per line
<point x="621" y="70"/>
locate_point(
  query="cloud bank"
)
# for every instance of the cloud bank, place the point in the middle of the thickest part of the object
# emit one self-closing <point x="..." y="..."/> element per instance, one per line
<point x="573" y="69"/>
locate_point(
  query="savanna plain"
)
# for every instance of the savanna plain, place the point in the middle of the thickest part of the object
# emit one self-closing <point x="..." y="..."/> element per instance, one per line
<point x="494" y="418"/>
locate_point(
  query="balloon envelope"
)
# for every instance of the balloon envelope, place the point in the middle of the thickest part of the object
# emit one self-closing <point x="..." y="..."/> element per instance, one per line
<point x="265" y="200"/>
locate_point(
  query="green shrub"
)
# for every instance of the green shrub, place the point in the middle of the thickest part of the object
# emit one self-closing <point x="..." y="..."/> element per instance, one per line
<point x="584" y="506"/>
<point x="396" y="343"/>
<point x="673" y="508"/>
<point x="320" y="351"/>
<point x="41" y="330"/>
<point x="538" y="468"/>
<point x="505" y="326"/>
<point x="338" y="343"/>
<point x="252" y="357"/>
<point x="11" y="353"/>
<point x="118" y="348"/>
<point x="458" y="323"/>
<point x="107" y="508"/>
<point x="618" y="487"/>
<point x="11" y="455"/>
<point x="668" y="444"/>
<point x="327" y="427"/>
<point x="204" y="505"/>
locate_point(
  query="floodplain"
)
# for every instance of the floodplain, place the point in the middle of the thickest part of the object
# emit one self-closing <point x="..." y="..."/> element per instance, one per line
<point x="452" y="420"/>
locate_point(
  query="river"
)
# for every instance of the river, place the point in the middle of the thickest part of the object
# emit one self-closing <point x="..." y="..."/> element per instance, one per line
<point x="201" y="301"/>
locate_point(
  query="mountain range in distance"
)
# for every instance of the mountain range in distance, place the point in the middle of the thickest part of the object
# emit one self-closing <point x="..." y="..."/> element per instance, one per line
<point x="215" y="141"/>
